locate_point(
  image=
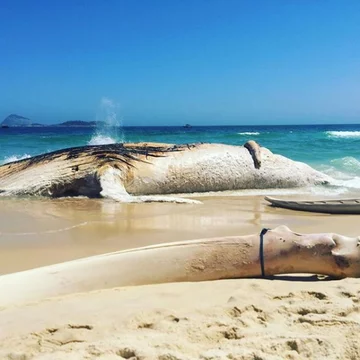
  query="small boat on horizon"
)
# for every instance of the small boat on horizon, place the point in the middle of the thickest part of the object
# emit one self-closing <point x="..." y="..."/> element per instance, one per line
<point x="187" y="126"/>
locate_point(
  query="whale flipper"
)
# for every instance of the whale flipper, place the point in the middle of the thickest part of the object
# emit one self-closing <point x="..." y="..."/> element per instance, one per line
<point x="112" y="185"/>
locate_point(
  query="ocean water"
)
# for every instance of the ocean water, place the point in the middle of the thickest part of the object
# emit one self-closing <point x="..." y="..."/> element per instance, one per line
<point x="332" y="149"/>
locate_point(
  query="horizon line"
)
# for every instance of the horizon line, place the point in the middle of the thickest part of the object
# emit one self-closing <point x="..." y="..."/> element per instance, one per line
<point x="181" y="126"/>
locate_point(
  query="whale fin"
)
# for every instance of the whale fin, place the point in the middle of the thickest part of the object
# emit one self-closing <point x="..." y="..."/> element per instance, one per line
<point x="254" y="149"/>
<point x="113" y="188"/>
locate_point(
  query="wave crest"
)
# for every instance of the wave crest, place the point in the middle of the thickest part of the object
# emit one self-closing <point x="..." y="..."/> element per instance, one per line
<point x="249" y="133"/>
<point x="343" y="134"/>
<point x="345" y="172"/>
<point x="348" y="164"/>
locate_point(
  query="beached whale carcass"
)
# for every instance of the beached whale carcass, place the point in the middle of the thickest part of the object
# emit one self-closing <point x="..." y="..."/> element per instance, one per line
<point x="138" y="169"/>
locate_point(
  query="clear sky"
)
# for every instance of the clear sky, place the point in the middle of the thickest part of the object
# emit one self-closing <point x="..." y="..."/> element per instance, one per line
<point x="170" y="62"/>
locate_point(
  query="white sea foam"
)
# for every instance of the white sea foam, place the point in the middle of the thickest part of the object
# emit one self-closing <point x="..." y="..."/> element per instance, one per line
<point x="353" y="183"/>
<point x="101" y="140"/>
<point x="348" y="164"/>
<point x="343" y="134"/>
<point x="343" y="168"/>
<point x="345" y="172"/>
<point x="13" y="158"/>
<point x="249" y="133"/>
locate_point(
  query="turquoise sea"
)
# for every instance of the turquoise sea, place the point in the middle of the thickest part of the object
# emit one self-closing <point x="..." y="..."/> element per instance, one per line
<point x="333" y="149"/>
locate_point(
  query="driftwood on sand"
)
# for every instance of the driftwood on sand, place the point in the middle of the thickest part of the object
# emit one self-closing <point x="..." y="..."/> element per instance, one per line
<point x="120" y="170"/>
<point x="281" y="251"/>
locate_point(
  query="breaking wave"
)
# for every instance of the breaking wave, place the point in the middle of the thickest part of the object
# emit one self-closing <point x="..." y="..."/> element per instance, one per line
<point x="345" y="171"/>
<point x="348" y="164"/>
<point x="343" y="168"/>
<point x="343" y="134"/>
<point x="249" y="133"/>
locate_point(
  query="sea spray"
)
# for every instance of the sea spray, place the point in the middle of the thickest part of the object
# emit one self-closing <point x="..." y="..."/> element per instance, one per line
<point x="99" y="139"/>
<point x="108" y="124"/>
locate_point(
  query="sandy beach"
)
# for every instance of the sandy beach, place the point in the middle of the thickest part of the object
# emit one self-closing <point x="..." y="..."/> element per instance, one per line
<point x="285" y="317"/>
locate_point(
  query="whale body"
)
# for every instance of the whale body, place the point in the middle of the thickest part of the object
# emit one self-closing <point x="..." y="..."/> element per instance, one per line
<point x="138" y="169"/>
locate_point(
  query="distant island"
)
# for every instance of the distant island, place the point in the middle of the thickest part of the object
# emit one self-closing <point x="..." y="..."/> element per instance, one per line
<point x="14" y="120"/>
<point x="79" y="123"/>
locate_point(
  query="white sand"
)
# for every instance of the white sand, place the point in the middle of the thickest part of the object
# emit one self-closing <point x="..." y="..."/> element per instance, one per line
<point x="229" y="319"/>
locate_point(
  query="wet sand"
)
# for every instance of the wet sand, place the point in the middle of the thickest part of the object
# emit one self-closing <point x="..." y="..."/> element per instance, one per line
<point x="284" y="317"/>
<point x="37" y="232"/>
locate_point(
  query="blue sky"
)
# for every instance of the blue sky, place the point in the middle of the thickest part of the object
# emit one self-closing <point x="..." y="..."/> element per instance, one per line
<point x="177" y="61"/>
